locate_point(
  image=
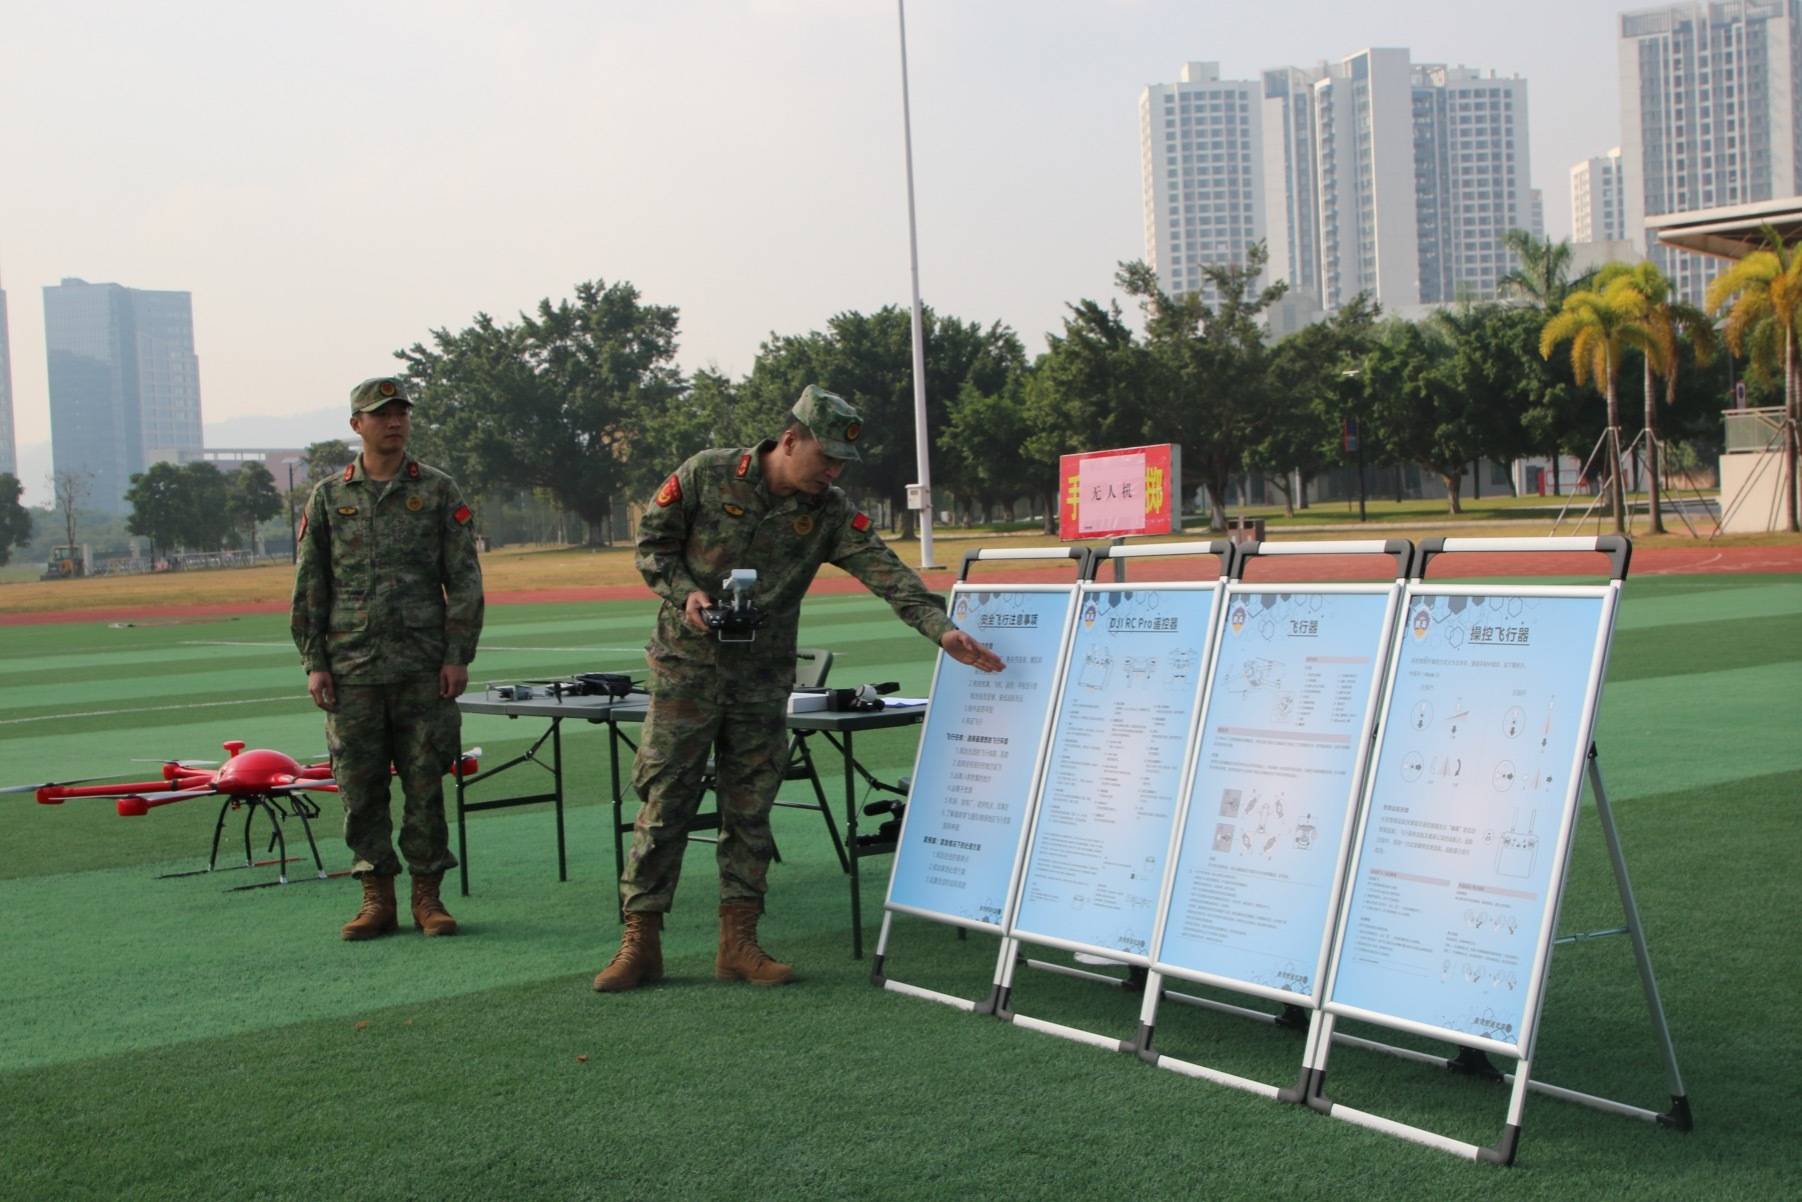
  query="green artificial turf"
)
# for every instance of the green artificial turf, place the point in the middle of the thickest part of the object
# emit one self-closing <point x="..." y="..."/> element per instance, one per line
<point x="164" y="1038"/>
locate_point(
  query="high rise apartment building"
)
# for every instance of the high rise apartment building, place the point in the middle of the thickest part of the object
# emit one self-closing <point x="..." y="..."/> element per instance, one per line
<point x="124" y="383"/>
<point x="1711" y="116"/>
<point x="9" y="449"/>
<point x="1598" y="211"/>
<point x="1202" y="170"/>
<point x="1372" y="174"/>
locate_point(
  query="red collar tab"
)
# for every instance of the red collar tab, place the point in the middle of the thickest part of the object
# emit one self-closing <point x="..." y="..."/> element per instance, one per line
<point x="861" y="522"/>
<point x="744" y="464"/>
<point x="412" y="471"/>
<point x="350" y="470"/>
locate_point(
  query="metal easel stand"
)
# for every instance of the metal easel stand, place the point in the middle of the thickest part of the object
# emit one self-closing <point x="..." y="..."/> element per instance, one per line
<point x="988" y="1005"/>
<point x="1779" y="437"/>
<point x="1473" y="1062"/>
<point x="1605" y="489"/>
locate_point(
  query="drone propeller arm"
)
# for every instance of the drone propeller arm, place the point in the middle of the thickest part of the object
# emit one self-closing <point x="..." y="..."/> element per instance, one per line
<point x="51" y="795"/>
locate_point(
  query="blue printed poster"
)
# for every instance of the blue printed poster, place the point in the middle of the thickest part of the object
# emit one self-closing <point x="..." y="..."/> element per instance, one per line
<point x="1274" y="785"/>
<point x="1473" y="774"/>
<point x="967" y="809"/>
<point x="1096" y="863"/>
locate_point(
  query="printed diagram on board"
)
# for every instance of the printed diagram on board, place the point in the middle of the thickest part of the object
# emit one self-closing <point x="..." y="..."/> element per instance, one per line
<point x="1516" y="849"/>
<point x="1262" y="826"/>
<point x="1139" y="668"/>
<point x="1097" y="669"/>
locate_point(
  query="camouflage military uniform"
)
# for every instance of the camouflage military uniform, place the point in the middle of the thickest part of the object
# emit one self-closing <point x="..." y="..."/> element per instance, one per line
<point x="388" y="591"/>
<point x="713" y="515"/>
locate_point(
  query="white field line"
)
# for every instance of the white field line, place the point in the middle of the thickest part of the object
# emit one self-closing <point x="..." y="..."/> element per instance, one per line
<point x="152" y="709"/>
<point x="482" y="647"/>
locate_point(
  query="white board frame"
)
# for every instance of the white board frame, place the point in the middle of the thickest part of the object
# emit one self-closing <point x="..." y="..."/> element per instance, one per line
<point x="878" y="974"/>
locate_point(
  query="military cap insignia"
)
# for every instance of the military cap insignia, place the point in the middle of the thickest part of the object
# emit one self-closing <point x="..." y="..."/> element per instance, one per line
<point x="350" y="470"/>
<point x="737" y="511"/>
<point x="852" y="430"/>
<point x="804" y="524"/>
<point x="412" y="471"/>
<point x="744" y="464"/>
<point x="670" y="493"/>
<point x="462" y="516"/>
<point x="414" y="504"/>
<point x="347" y="511"/>
<point x="861" y="522"/>
<point x="386" y="388"/>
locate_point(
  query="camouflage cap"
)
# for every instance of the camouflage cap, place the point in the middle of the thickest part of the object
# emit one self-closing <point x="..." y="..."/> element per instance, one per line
<point x="373" y="393"/>
<point x="832" y="421"/>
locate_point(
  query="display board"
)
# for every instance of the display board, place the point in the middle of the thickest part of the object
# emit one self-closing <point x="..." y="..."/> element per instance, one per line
<point x="1292" y="695"/>
<point x="980" y="751"/>
<point x="1107" y="799"/>
<point x="1460" y="850"/>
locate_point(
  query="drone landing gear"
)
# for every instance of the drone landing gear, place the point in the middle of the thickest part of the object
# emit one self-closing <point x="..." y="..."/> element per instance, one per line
<point x="302" y="807"/>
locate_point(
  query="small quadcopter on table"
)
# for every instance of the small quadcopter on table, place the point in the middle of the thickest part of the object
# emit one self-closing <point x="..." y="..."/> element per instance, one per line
<point x="256" y="780"/>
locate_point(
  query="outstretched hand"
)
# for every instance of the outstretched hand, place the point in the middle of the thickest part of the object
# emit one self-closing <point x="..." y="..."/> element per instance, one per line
<point x="966" y="650"/>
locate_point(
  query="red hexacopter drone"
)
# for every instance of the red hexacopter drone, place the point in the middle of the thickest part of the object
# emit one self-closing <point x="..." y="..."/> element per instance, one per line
<point x="255" y="780"/>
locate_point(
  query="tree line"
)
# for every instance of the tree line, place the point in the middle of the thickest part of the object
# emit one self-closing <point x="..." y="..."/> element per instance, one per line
<point x="581" y="400"/>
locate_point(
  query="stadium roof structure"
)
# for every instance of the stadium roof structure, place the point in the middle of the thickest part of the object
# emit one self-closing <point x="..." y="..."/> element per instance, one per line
<point x="1732" y="231"/>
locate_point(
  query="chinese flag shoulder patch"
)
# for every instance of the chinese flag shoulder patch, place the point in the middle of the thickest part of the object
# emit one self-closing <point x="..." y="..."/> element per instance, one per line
<point x="462" y="516"/>
<point x="670" y="493"/>
<point x="861" y="522"/>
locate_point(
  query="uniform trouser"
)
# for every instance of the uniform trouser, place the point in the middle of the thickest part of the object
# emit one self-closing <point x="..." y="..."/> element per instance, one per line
<point x="411" y="727"/>
<point x="750" y="749"/>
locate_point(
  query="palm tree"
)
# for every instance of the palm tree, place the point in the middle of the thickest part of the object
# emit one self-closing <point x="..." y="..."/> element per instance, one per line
<point x="1543" y="276"/>
<point x="1762" y="294"/>
<point x="1597" y="325"/>
<point x="1663" y="325"/>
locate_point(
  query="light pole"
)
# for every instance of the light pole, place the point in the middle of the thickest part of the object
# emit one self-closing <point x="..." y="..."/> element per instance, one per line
<point x="922" y="450"/>
<point x="293" y="537"/>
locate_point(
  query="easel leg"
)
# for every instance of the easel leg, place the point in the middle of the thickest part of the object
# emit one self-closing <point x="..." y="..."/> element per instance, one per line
<point x="1678" y="1116"/>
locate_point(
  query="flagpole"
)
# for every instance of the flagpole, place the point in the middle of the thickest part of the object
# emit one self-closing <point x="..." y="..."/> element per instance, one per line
<point x="923" y="451"/>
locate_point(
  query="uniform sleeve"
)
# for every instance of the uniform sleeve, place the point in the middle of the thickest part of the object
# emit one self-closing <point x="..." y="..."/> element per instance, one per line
<point x="310" y="613"/>
<point x="858" y="549"/>
<point x="461" y="572"/>
<point x="663" y="537"/>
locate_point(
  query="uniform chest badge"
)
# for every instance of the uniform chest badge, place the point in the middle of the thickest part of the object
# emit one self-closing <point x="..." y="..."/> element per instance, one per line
<point x="414" y="504"/>
<point x="804" y="524"/>
<point x="347" y="511"/>
<point x="737" y="511"/>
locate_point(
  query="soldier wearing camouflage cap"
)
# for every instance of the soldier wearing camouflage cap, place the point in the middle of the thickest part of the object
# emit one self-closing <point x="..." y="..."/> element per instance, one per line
<point x="387" y="610"/>
<point x="774" y="508"/>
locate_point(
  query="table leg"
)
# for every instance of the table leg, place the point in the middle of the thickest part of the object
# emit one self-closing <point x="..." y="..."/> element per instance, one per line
<point x="557" y="776"/>
<point x="619" y="843"/>
<point x="851" y="845"/>
<point x="462" y="836"/>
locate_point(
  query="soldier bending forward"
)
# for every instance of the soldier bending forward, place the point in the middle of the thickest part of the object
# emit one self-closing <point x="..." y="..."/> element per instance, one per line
<point x="773" y="508"/>
<point x="387" y="611"/>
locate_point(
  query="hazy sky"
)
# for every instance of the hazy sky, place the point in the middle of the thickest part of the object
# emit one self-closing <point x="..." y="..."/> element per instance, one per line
<point x="331" y="180"/>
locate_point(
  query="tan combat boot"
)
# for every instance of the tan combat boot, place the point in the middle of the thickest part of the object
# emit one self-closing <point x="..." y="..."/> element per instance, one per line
<point x="376" y="917"/>
<point x="740" y="959"/>
<point x="429" y="914"/>
<point x="639" y="960"/>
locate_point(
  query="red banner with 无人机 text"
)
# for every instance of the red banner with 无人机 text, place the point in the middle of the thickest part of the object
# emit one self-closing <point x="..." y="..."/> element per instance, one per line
<point x="1132" y="490"/>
